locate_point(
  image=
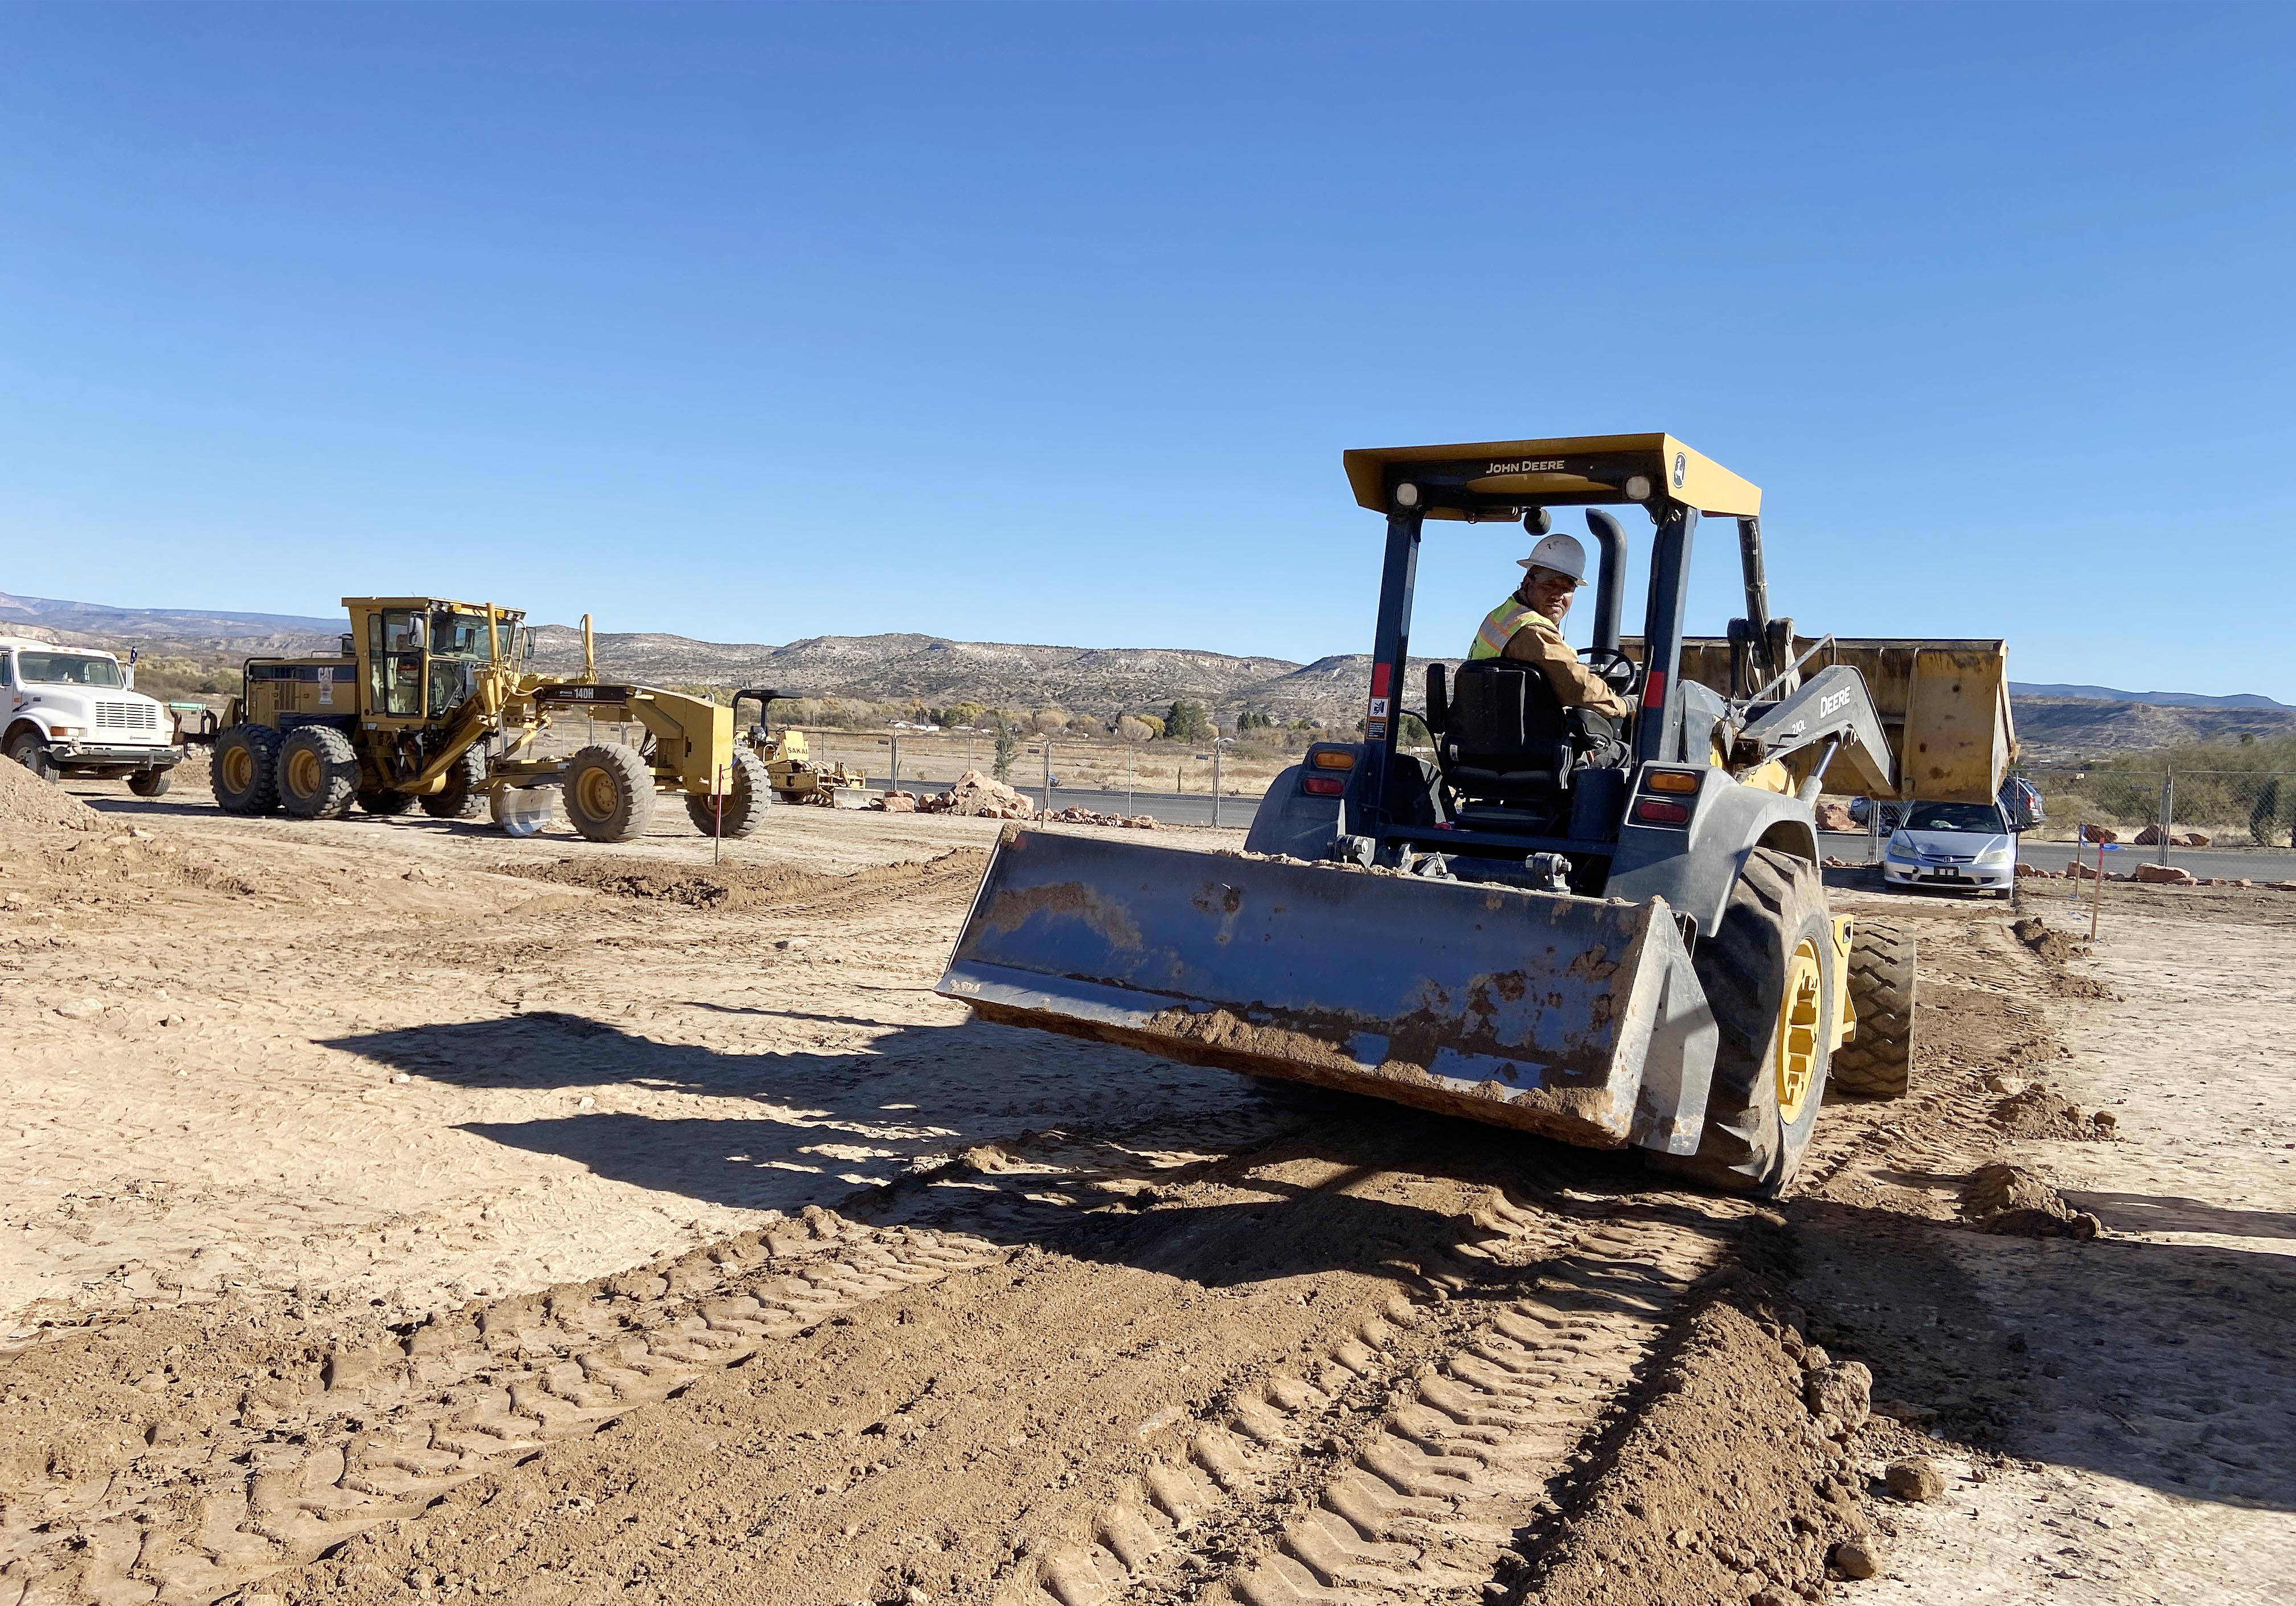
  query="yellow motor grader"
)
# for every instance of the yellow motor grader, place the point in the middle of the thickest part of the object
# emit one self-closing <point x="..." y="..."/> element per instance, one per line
<point x="429" y="703"/>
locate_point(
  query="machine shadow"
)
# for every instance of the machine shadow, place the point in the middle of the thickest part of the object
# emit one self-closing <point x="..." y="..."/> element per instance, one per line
<point x="1086" y="1150"/>
<point x="2166" y="1365"/>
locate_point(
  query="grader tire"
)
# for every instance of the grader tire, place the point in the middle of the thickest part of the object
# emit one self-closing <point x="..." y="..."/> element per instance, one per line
<point x="245" y="772"/>
<point x="317" y="773"/>
<point x="383" y="800"/>
<point x="464" y="795"/>
<point x="1768" y="977"/>
<point x="1878" y="1062"/>
<point x="748" y="790"/>
<point x="609" y="794"/>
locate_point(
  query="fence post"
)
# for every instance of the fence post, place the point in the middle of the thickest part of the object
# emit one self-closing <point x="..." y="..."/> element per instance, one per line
<point x="2168" y="807"/>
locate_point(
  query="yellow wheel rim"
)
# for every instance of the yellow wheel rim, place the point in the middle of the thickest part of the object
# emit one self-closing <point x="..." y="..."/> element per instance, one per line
<point x="1801" y="1020"/>
<point x="303" y="771"/>
<point x="600" y="795"/>
<point x="238" y="770"/>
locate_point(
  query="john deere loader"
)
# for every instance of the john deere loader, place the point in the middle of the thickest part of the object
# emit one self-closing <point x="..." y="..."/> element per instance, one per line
<point x="1614" y="934"/>
<point x="429" y="704"/>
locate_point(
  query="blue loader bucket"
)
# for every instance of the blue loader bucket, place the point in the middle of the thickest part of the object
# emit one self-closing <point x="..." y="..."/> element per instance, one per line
<point x="1577" y="1018"/>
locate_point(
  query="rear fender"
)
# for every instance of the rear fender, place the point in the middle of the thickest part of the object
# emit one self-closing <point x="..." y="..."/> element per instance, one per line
<point x="1692" y="868"/>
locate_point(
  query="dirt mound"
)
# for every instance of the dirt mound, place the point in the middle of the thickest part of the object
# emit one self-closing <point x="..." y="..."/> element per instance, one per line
<point x="2040" y="1112"/>
<point x="2054" y="948"/>
<point x="29" y="804"/>
<point x="1699" y="1487"/>
<point x="729" y="886"/>
<point x="2020" y="1202"/>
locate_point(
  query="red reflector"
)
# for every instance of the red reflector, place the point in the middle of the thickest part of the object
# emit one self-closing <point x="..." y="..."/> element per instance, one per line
<point x="1324" y="786"/>
<point x="1658" y="811"/>
<point x="1379" y="674"/>
<point x="1654" y="689"/>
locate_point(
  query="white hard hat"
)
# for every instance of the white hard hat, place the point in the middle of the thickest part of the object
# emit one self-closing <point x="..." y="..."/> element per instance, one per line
<point x="1564" y="554"/>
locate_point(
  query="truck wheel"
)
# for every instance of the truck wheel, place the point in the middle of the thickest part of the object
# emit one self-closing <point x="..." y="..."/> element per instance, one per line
<point x="1878" y="1062"/>
<point x="150" y="782"/>
<point x="749" y="789"/>
<point x="30" y="749"/>
<point x="464" y="795"/>
<point x="609" y="793"/>
<point x="383" y="800"/>
<point x="318" y="773"/>
<point x="245" y="773"/>
<point x="1769" y="978"/>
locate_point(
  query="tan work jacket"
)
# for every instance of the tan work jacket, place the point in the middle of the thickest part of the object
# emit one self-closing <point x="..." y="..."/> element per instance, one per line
<point x="1533" y="638"/>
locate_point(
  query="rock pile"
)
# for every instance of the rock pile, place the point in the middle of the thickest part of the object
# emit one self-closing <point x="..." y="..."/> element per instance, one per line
<point x="976" y="796"/>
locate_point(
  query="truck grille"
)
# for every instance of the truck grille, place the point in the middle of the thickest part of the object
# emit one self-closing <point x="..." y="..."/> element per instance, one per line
<point x="127" y="717"/>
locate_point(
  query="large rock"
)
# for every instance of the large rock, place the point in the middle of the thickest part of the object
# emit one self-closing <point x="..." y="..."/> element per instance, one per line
<point x="2099" y="833"/>
<point x="1916" y="1477"/>
<point x="1834" y="816"/>
<point x="2165" y="875"/>
<point x="2151" y="836"/>
<point x="2191" y="839"/>
<point x="1843" y="1390"/>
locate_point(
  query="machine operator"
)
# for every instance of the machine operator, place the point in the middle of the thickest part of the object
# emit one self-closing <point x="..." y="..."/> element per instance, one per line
<point x="1528" y="626"/>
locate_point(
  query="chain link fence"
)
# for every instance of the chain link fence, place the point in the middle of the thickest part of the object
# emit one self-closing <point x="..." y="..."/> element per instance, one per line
<point x="2217" y="809"/>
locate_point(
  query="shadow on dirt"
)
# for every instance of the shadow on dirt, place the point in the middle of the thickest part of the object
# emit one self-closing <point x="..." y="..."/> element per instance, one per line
<point x="2168" y="1366"/>
<point x="1098" y="1151"/>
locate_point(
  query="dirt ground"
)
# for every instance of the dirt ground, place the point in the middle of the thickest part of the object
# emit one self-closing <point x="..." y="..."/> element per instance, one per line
<point x="405" y="1212"/>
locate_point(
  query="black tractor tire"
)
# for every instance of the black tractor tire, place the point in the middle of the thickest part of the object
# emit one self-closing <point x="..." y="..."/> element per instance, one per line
<point x="318" y="773"/>
<point x="748" y="790"/>
<point x="383" y="800"/>
<point x="245" y="771"/>
<point x="609" y="794"/>
<point x="1767" y="969"/>
<point x="30" y="749"/>
<point x="150" y="782"/>
<point x="1884" y="995"/>
<point x="464" y="795"/>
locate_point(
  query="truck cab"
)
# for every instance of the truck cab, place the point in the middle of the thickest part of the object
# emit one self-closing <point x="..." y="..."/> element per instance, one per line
<point x="75" y="711"/>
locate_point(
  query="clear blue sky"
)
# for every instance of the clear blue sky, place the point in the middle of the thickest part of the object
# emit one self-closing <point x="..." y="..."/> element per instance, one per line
<point x="1049" y="323"/>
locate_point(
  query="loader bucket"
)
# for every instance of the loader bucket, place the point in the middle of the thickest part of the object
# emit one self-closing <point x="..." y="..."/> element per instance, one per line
<point x="1573" y="1016"/>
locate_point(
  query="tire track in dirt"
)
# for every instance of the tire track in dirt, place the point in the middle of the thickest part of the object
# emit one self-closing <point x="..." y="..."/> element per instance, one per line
<point x="370" y="1434"/>
<point x="1407" y="1458"/>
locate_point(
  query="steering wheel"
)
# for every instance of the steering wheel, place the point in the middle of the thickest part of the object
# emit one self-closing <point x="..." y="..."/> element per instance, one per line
<point x="1614" y="669"/>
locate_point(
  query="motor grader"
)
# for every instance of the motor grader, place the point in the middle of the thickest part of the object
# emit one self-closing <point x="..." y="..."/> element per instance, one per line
<point x="429" y="704"/>
<point x="1614" y="934"/>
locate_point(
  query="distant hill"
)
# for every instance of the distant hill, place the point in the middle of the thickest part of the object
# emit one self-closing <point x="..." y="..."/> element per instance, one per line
<point x="171" y="625"/>
<point x="2165" y="699"/>
<point x="2054" y="722"/>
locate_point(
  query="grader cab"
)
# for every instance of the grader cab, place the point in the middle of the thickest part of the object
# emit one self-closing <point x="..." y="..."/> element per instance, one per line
<point x="429" y="703"/>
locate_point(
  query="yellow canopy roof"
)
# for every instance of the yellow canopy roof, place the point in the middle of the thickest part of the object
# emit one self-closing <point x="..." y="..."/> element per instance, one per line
<point x="1468" y="480"/>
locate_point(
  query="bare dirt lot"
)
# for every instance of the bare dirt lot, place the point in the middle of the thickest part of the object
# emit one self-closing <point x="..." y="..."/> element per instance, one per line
<point x="399" y="1211"/>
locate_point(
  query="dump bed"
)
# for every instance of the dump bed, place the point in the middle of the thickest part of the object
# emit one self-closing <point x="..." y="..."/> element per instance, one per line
<point x="1944" y="705"/>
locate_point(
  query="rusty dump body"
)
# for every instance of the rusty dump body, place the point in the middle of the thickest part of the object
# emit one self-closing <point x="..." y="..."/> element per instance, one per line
<point x="1578" y="1018"/>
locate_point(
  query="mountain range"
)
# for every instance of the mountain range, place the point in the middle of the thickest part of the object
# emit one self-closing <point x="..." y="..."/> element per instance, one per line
<point x="2054" y="721"/>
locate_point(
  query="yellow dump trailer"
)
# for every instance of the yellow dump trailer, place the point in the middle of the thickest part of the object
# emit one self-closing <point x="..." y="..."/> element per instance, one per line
<point x="1944" y="704"/>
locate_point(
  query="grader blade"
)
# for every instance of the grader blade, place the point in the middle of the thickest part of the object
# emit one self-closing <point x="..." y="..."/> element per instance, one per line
<point x="1569" y="1016"/>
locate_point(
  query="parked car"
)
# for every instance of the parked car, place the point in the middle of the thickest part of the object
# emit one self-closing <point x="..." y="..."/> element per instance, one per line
<point x="1966" y="846"/>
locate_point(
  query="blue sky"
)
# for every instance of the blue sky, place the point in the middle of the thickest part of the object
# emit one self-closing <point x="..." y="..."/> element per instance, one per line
<point x="1050" y="323"/>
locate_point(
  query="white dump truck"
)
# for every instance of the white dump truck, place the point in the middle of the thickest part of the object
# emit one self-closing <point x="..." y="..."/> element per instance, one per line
<point x="75" y="711"/>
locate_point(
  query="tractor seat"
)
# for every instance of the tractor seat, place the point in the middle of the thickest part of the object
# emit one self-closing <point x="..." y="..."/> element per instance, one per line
<point x="1504" y="738"/>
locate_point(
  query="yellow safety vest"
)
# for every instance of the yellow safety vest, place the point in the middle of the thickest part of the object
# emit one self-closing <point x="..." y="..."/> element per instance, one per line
<point x="1499" y="625"/>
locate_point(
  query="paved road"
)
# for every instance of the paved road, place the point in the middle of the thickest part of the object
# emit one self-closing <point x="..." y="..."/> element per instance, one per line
<point x="1195" y="809"/>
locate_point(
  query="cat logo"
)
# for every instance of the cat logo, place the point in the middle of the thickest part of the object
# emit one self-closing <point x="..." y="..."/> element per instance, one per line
<point x="1681" y="468"/>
